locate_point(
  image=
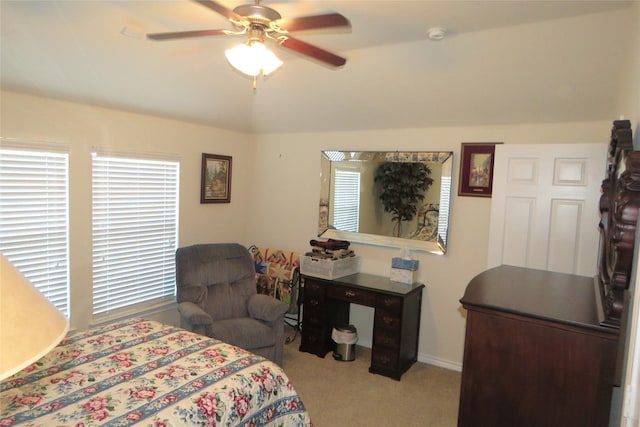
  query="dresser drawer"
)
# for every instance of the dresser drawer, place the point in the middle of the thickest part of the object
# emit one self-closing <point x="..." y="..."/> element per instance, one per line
<point x="356" y="296"/>
<point x="386" y="338"/>
<point x="386" y="319"/>
<point x="389" y="303"/>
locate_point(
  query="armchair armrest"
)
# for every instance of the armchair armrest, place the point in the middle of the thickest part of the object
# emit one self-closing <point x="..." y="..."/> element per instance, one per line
<point x="266" y="308"/>
<point x="193" y="314"/>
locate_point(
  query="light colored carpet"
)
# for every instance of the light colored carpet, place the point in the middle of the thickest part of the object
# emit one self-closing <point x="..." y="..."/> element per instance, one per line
<point x="338" y="394"/>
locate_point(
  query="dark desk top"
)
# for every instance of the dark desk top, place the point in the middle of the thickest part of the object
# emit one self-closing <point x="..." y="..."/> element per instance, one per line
<point x="557" y="297"/>
<point x="374" y="283"/>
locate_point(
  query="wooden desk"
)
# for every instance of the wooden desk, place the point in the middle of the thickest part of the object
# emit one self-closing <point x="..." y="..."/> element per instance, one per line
<point x="535" y="354"/>
<point x="396" y="323"/>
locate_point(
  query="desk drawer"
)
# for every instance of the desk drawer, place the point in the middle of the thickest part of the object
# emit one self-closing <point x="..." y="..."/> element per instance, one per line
<point x="313" y="317"/>
<point x="387" y="338"/>
<point x="390" y="303"/>
<point x="314" y="290"/>
<point x="386" y="319"/>
<point x="313" y="340"/>
<point x="356" y="296"/>
<point x="384" y="359"/>
<point x="313" y="301"/>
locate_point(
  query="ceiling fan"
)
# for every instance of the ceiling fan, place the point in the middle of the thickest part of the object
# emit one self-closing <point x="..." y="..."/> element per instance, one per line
<point x="261" y="22"/>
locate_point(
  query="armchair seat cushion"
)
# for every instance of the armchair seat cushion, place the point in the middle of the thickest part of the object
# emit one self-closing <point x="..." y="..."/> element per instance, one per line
<point x="243" y="332"/>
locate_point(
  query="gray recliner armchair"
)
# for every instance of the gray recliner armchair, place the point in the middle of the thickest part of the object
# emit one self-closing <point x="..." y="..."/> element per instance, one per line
<point x="217" y="297"/>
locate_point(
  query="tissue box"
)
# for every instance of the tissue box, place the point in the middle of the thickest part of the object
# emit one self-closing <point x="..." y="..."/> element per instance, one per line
<point x="405" y="264"/>
<point x="404" y="276"/>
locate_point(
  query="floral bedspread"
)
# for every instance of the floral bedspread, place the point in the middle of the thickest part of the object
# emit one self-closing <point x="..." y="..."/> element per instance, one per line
<point x="141" y="372"/>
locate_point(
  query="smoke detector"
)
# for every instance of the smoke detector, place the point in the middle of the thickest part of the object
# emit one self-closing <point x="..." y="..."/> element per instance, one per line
<point x="436" y="33"/>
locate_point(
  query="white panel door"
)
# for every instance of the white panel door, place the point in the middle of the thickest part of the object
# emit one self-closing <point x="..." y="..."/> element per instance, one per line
<point x="544" y="208"/>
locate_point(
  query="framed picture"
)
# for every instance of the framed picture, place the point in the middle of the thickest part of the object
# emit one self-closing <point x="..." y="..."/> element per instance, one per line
<point x="476" y="169"/>
<point x="215" y="186"/>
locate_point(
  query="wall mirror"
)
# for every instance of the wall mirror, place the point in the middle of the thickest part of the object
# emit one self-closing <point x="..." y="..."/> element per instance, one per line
<point x="350" y="198"/>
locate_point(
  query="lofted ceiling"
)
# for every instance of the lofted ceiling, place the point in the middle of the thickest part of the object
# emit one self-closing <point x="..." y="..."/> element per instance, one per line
<point x="501" y="62"/>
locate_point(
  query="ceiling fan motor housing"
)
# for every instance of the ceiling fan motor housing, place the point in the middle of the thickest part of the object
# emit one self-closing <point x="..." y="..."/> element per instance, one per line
<point x="257" y="13"/>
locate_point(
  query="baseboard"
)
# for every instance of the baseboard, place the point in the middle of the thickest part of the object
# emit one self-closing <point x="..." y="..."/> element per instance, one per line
<point x="424" y="358"/>
<point x="446" y="364"/>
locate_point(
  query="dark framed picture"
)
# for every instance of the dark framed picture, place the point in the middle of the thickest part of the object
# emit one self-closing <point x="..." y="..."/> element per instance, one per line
<point x="215" y="186"/>
<point x="476" y="169"/>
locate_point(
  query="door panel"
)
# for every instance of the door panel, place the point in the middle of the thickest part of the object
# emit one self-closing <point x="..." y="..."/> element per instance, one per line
<point x="544" y="208"/>
<point x="517" y="226"/>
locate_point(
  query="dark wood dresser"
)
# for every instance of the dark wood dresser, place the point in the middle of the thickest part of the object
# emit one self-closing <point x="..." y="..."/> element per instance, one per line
<point x="535" y="353"/>
<point x="396" y="323"/>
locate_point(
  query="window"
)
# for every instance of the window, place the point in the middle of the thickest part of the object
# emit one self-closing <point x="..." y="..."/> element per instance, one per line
<point x="135" y="232"/>
<point x="346" y="206"/>
<point x="34" y="219"/>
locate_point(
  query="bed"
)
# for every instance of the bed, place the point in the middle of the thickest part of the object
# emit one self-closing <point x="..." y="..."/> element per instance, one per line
<point x="140" y="372"/>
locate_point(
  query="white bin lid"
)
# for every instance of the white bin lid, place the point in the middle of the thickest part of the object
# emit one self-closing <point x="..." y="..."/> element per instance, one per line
<point x="344" y="335"/>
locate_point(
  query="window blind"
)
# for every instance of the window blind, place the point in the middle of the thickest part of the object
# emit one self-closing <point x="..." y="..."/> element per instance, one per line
<point x="34" y="219"/>
<point x="135" y="232"/>
<point x="443" y="211"/>
<point x="346" y="206"/>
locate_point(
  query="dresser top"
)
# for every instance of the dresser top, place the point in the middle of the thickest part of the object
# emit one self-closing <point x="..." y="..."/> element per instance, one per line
<point x="557" y="297"/>
<point x="372" y="282"/>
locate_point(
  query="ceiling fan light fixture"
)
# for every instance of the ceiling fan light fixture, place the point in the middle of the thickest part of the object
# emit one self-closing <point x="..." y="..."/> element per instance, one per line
<point x="253" y="59"/>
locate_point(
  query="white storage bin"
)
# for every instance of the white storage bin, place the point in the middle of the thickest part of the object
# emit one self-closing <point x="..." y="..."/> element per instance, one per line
<point x="329" y="269"/>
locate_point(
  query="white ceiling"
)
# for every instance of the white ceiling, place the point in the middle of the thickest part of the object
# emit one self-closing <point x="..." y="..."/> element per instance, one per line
<point x="502" y="62"/>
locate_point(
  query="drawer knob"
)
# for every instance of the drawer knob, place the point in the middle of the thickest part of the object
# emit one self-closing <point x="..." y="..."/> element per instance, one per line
<point x="350" y="293"/>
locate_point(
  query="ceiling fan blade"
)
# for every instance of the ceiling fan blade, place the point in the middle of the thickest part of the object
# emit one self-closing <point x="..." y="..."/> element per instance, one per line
<point x="218" y="8"/>
<point x="185" y="34"/>
<point x="311" y="51"/>
<point x="313" y="22"/>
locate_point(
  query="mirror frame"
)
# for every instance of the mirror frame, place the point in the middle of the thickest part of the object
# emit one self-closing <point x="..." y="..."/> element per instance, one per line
<point x="438" y="247"/>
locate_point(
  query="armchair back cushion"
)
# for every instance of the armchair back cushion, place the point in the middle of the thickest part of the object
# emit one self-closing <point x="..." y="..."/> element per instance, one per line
<point x="217" y="277"/>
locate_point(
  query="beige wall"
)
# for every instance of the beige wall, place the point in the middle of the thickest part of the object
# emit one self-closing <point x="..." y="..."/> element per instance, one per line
<point x="79" y="128"/>
<point x="285" y="199"/>
<point x="634" y="83"/>
<point x="275" y="190"/>
<point x="630" y="107"/>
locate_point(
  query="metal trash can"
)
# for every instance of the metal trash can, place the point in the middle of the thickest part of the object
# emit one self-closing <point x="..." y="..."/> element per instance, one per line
<point x="345" y="338"/>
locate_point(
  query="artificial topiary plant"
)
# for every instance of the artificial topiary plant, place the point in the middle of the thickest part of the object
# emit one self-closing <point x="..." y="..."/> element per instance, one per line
<point x="402" y="185"/>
